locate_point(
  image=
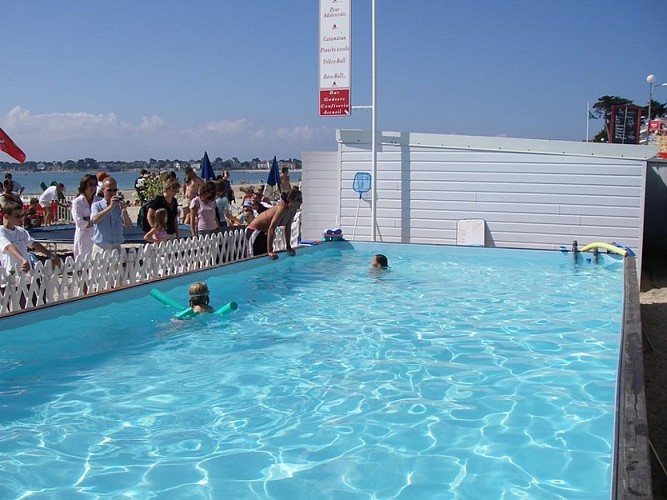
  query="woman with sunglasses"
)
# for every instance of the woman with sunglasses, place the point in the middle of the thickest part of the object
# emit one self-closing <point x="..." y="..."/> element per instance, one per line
<point x="81" y="205"/>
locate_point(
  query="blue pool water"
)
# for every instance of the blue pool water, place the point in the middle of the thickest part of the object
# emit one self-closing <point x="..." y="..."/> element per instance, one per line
<point x="458" y="373"/>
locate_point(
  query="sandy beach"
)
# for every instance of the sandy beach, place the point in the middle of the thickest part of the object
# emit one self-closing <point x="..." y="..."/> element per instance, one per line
<point x="653" y="300"/>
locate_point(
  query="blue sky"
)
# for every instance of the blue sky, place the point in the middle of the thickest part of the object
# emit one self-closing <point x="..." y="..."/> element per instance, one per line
<point x="130" y="80"/>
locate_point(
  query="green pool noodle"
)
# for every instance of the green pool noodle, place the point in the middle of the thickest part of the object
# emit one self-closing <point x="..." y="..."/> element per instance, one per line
<point x="157" y="294"/>
<point x="232" y="306"/>
<point x="187" y="313"/>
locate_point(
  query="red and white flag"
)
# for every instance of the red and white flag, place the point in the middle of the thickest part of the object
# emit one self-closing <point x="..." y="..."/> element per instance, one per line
<point x="9" y="147"/>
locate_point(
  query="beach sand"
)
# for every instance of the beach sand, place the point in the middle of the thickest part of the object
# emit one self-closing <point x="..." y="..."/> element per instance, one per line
<point x="653" y="303"/>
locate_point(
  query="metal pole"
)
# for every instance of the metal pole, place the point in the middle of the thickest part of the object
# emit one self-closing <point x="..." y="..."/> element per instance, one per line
<point x="373" y="131"/>
<point x="650" y="98"/>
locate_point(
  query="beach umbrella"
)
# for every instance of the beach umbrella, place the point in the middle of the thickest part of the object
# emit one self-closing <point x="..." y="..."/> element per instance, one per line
<point x="273" y="182"/>
<point x="206" y="168"/>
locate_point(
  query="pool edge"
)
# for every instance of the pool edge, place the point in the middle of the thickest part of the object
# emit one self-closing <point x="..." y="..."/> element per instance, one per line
<point x="632" y="467"/>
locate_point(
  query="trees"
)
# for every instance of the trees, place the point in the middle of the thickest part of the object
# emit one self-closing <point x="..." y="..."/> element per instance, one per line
<point x="657" y="109"/>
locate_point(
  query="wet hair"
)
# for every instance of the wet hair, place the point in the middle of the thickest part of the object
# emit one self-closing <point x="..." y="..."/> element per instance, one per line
<point x="198" y="294"/>
<point x="83" y="183"/>
<point x="382" y="260"/>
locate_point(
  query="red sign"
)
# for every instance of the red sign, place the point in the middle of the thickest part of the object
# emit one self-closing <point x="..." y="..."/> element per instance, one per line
<point x="335" y="102"/>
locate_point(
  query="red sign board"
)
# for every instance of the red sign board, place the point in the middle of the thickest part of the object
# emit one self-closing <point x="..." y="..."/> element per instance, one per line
<point x="335" y="102"/>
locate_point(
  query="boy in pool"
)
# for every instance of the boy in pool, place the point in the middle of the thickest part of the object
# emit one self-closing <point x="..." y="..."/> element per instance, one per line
<point x="199" y="297"/>
<point x="379" y="261"/>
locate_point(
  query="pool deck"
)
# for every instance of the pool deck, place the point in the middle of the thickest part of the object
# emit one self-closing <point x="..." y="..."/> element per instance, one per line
<point x="653" y="304"/>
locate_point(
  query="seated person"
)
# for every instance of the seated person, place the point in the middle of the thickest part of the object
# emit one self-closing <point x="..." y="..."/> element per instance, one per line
<point x="199" y="298"/>
<point x="379" y="261"/>
<point x="33" y="214"/>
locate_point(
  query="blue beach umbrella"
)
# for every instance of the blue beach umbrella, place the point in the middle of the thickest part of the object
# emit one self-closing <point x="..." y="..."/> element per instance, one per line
<point x="274" y="177"/>
<point x="206" y="168"/>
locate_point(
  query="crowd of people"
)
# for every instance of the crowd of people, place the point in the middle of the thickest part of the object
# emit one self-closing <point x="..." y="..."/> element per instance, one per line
<point x="100" y="213"/>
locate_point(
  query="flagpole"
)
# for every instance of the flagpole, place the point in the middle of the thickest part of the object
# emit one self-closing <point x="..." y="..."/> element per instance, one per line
<point x="373" y="131"/>
<point x="588" y="118"/>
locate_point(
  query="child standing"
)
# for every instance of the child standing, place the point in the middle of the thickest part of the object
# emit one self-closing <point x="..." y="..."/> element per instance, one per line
<point x="158" y="231"/>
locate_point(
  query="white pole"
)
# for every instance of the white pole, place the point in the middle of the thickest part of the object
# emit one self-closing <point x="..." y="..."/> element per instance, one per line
<point x="373" y="131"/>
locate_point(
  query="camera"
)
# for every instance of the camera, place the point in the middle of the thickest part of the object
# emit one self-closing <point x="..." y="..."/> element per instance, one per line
<point x="120" y="196"/>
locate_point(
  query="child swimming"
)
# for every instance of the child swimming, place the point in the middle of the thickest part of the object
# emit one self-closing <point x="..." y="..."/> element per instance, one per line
<point x="199" y="298"/>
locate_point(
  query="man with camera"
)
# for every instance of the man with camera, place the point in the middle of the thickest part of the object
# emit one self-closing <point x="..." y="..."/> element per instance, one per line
<point x="109" y="216"/>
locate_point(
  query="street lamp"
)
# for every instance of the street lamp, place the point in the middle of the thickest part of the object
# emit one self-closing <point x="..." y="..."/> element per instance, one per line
<point x="650" y="79"/>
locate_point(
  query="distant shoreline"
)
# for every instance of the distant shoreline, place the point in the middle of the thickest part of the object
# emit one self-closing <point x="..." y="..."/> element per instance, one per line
<point x="83" y="172"/>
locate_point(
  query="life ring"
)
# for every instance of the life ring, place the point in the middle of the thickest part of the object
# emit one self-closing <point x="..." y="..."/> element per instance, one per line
<point x="606" y="246"/>
<point x="187" y="312"/>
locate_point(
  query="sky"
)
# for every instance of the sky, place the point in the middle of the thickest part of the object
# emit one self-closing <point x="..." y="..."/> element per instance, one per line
<point x="168" y="79"/>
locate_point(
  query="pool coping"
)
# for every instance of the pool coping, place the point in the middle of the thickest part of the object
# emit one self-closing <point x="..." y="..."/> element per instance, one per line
<point x="632" y="471"/>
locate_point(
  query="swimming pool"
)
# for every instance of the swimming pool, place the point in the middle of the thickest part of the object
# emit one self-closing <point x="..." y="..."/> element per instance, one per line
<point x="460" y="372"/>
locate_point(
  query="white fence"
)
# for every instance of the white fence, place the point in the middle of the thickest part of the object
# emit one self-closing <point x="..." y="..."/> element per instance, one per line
<point x="108" y="270"/>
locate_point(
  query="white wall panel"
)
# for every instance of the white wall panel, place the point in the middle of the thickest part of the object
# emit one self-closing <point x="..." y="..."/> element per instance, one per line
<point x="532" y="193"/>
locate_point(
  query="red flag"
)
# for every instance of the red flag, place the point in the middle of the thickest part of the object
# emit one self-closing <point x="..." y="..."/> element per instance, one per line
<point x="8" y="146"/>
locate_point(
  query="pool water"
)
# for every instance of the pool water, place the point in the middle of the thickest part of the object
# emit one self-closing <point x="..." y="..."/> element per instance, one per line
<point x="457" y="373"/>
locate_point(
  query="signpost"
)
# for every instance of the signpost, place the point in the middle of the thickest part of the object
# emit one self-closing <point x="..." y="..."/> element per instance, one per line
<point x="334" y="58"/>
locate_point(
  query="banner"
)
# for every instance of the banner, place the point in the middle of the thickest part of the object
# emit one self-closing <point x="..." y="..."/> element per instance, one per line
<point x="334" y="57"/>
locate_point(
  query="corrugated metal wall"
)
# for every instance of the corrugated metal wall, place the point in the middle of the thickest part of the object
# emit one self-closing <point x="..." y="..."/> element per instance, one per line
<point x="531" y="193"/>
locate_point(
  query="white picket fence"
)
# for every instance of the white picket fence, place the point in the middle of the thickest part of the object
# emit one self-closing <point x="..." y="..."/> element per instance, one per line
<point x="109" y="270"/>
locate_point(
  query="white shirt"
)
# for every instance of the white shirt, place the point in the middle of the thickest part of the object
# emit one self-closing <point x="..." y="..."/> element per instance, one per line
<point x="83" y="235"/>
<point x="50" y="194"/>
<point x="18" y="237"/>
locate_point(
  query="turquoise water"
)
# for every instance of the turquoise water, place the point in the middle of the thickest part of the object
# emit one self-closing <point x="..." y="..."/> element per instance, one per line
<point x="458" y="373"/>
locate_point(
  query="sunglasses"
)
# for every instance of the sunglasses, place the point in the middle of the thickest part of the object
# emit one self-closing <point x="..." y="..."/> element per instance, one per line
<point x="112" y="190"/>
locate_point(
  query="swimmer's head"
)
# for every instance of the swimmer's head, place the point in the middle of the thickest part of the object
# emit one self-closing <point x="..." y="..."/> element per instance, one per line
<point x="199" y="294"/>
<point x="379" y="261"/>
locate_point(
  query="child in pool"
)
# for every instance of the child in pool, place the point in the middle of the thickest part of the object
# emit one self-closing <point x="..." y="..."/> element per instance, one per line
<point x="379" y="261"/>
<point x="158" y="231"/>
<point x="199" y="298"/>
